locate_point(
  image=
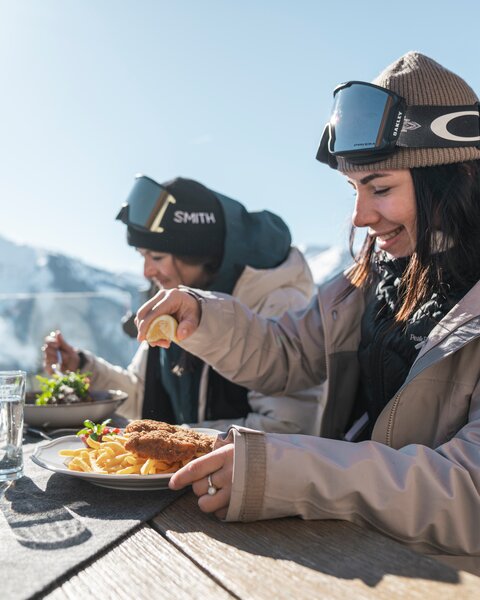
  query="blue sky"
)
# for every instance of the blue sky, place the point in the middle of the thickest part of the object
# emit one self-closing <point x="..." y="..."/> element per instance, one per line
<point x="233" y="94"/>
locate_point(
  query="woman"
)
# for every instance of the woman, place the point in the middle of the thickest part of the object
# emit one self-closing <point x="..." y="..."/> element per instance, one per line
<point x="397" y="337"/>
<point x="189" y="235"/>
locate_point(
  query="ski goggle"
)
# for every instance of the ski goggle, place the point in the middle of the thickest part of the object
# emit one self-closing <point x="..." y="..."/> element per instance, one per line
<point x="146" y="205"/>
<point x="369" y="122"/>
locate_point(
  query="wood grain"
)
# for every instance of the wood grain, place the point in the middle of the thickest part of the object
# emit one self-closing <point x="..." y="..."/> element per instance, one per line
<point x="291" y="558"/>
<point x="142" y="566"/>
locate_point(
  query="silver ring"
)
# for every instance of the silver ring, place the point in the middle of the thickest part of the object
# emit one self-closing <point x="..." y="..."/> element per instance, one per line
<point x="212" y="490"/>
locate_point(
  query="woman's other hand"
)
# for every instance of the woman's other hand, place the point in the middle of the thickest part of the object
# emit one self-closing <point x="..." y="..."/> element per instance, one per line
<point x="181" y="305"/>
<point x="219" y="466"/>
<point x="54" y="343"/>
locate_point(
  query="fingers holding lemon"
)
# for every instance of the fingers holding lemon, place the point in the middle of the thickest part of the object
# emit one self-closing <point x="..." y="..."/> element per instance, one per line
<point x="166" y="303"/>
<point x="162" y="328"/>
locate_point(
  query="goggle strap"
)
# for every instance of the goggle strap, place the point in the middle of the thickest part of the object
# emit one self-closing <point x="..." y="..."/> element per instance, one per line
<point x="323" y="155"/>
<point x="440" y="127"/>
<point x="123" y="214"/>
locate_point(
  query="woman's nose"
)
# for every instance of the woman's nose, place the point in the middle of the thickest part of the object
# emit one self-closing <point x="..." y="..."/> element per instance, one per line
<point x="364" y="213"/>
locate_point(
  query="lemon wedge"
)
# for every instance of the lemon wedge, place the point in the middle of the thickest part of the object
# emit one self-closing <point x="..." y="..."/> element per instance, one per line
<point x="163" y="327"/>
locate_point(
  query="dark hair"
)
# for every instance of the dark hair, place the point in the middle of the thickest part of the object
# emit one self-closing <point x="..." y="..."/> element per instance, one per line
<point x="448" y="202"/>
<point x="210" y="264"/>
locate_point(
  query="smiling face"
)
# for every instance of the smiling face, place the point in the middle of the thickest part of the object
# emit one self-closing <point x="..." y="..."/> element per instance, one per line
<point x="385" y="203"/>
<point x="167" y="271"/>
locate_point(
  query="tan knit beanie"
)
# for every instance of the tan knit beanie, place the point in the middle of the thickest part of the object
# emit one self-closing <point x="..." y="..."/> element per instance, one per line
<point x="422" y="81"/>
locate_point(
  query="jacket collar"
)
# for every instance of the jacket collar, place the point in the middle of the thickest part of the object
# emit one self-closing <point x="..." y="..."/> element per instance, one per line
<point x="466" y="311"/>
<point x="459" y="327"/>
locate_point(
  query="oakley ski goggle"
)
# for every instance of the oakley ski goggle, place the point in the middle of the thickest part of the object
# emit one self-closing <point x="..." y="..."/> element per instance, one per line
<point x="369" y="122"/>
<point x="146" y="205"/>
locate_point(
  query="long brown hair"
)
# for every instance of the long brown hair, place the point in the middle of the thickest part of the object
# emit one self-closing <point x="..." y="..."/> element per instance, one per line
<point x="448" y="235"/>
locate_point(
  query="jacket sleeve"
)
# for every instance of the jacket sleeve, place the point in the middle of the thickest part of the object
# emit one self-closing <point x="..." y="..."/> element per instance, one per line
<point x="426" y="497"/>
<point x="271" y="356"/>
<point x="130" y="380"/>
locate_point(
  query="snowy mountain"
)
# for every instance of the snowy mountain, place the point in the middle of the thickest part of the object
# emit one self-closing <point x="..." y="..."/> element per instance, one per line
<point x="324" y="262"/>
<point x="41" y="291"/>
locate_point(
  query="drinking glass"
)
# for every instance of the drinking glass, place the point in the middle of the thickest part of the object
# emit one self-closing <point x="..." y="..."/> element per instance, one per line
<point x="12" y="402"/>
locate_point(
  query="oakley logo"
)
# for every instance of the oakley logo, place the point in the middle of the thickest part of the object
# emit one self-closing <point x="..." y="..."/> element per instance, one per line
<point x="409" y="125"/>
<point x="439" y="126"/>
<point x="397" y="124"/>
<point x="196" y="218"/>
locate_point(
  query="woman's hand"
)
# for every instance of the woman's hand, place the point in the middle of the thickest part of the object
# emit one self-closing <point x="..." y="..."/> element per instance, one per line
<point x="219" y="465"/>
<point x="181" y="305"/>
<point x="53" y="343"/>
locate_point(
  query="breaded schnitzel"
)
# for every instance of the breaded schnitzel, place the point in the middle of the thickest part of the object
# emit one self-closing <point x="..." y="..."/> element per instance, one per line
<point x="150" y="425"/>
<point x="171" y="443"/>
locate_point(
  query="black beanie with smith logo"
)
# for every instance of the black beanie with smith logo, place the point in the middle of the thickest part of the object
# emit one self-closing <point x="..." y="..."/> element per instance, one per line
<point x="190" y="223"/>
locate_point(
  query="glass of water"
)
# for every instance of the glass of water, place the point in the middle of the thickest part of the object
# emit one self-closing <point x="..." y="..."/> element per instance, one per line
<point x="12" y="401"/>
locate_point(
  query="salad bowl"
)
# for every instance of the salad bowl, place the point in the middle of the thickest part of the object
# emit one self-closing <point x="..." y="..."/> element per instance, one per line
<point x="102" y="405"/>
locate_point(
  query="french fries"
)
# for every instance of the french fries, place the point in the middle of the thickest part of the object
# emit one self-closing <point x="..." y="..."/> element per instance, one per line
<point x="110" y="457"/>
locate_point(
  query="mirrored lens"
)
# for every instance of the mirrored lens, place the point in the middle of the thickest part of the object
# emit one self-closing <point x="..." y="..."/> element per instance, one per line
<point x="147" y="203"/>
<point x="358" y="117"/>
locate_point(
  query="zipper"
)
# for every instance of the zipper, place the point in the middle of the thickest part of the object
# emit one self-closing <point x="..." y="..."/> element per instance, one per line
<point x="388" y="435"/>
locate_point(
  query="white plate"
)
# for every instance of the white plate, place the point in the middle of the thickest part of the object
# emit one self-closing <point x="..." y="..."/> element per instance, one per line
<point x="48" y="457"/>
<point x="73" y="415"/>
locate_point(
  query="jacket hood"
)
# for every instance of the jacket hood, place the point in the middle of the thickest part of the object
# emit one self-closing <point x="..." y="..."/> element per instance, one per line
<point x="292" y="278"/>
<point x="258" y="239"/>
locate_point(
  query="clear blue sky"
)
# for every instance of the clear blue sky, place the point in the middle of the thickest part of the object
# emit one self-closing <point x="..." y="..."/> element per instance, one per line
<point x="233" y="94"/>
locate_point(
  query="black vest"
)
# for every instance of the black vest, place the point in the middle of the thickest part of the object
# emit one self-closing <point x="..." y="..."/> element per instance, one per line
<point x="388" y="349"/>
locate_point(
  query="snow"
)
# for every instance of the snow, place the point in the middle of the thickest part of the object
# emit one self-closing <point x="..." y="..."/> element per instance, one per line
<point x="328" y="262"/>
<point x="41" y="291"/>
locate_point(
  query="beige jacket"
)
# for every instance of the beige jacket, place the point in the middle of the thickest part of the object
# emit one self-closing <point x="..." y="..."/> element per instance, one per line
<point x="269" y="292"/>
<point x="417" y="480"/>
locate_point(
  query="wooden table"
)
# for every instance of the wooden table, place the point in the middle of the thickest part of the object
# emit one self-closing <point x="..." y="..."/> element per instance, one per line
<point x="183" y="553"/>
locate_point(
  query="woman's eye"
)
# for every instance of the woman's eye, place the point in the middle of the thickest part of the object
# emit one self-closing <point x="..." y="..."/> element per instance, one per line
<point x="382" y="191"/>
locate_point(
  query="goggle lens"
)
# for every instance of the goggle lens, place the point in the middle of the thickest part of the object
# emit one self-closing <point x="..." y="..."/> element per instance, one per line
<point x="146" y="204"/>
<point x="358" y="118"/>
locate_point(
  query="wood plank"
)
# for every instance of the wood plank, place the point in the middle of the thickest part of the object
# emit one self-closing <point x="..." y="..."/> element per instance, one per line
<point x="291" y="558"/>
<point x="142" y="566"/>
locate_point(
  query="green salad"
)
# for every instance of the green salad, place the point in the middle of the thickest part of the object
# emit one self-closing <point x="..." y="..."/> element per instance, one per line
<point x="67" y="389"/>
